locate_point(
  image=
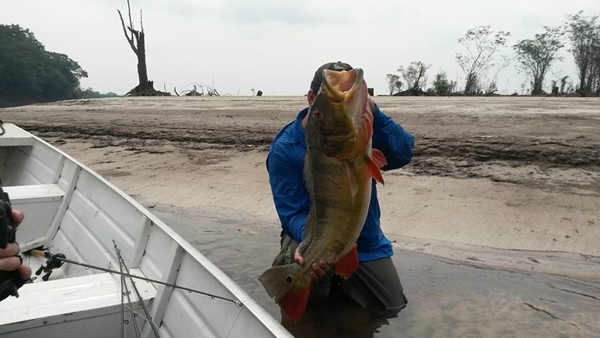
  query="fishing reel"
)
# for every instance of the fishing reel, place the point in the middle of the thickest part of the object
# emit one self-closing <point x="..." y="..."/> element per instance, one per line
<point x="53" y="261"/>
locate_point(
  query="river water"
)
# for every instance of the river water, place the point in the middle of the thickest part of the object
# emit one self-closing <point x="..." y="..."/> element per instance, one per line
<point x="446" y="298"/>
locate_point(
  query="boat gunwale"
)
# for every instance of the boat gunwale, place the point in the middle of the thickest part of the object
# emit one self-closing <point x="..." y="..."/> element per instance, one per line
<point x="253" y="307"/>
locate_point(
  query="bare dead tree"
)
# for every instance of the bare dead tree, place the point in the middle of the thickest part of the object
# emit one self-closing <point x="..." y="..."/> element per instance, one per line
<point x="481" y="44"/>
<point x="137" y="42"/>
<point x="199" y="90"/>
<point x="490" y="85"/>
<point x="194" y="92"/>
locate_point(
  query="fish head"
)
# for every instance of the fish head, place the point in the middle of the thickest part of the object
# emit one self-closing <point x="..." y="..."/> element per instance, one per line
<point x="338" y="112"/>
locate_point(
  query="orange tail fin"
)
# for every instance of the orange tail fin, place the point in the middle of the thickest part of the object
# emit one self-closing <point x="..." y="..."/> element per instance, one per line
<point x="294" y="303"/>
<point x="345" y="266"/>
<point x="376" y="161"/>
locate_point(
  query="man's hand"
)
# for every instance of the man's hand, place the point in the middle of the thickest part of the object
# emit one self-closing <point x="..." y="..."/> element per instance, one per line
<point x="318" y="270"/>
<point x="9" y="261"/>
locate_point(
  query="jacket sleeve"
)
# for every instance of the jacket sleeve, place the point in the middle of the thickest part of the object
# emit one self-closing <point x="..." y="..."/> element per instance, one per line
<point x="289" y="192"/>
<point x="392" y="140"/>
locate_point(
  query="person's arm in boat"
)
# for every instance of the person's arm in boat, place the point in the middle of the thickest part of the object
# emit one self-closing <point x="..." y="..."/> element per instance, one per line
<point x="9" y="259"/>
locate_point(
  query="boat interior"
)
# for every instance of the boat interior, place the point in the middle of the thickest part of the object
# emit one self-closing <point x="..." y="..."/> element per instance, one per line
<point x="72" y="211"/>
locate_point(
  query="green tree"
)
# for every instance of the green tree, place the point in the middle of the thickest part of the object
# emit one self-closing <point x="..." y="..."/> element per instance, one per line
<point x="584" y="33"/>
<point x="563" y="83"/>
<point x="537" y="55"/>
<point x="90" y="93"/>
<point x="393" y="82"/>
<point x="441" y="85"/>
<point x="415" y="75"/>
<point x="399" y="85"/>
<point x="481" y="44"/>
<point x="30" y="74"/>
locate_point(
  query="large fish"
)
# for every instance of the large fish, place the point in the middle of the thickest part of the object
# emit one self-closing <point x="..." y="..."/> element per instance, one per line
<point x="338" y="170"/>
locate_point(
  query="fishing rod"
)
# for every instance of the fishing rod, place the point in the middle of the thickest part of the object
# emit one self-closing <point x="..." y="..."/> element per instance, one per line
<point x="54" y="261"/>
<point x="127" y="294"/>
<point x="140" y="298"/>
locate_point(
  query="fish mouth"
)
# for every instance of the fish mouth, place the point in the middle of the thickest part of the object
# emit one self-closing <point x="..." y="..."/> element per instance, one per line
<point x="341" y="86"/>
<point x="347" y="94"/>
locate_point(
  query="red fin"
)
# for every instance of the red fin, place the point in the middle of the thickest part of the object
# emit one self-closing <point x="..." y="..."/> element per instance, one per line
<point x="345" y="266"/>
<point x="376" y="161"/>
<point x="294" y="303"/>
<point x="378" y="157"/>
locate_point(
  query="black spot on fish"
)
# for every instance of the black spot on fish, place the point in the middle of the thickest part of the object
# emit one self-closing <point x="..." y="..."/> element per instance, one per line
<point x="289" y="279"/>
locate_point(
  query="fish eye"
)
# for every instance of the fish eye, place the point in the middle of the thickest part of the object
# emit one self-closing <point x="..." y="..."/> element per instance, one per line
<point x="289" y="279"/>
<point x="317" y="115"/>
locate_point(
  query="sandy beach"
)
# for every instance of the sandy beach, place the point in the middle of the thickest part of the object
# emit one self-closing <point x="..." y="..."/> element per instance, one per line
<point x="505" y="181"/>
<point x="495" y="223"/>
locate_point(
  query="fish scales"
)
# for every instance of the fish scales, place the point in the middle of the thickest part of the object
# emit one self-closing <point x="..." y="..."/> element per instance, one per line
<point x="338" y="171"/>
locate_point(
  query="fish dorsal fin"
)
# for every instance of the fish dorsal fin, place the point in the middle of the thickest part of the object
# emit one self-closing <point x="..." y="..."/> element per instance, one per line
<point x="376" y="161"/>
<point x="352" y="179"/>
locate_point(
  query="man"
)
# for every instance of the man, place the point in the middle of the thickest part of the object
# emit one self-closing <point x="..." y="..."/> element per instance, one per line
<point x="375" y="285"/>
<point x="9" y="261"/>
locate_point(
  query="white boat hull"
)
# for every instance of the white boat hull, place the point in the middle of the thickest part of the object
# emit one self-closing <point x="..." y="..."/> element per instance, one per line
<point x="72" y="210"/>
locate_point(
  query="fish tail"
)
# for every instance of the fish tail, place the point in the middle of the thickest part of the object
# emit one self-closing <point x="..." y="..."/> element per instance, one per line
<point x="279" y="284"/>
<point x="294" y="302"/>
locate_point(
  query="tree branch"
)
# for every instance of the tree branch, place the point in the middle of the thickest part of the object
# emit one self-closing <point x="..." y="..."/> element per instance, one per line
<point x="130" y="40"/>
<point x="129" y="12"/>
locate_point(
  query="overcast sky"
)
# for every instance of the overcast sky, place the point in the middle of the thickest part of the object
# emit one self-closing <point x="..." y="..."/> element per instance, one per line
<point x="276" y="45"/>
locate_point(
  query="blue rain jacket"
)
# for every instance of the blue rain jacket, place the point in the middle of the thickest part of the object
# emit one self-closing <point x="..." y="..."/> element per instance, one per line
<point x="285" y="163"/>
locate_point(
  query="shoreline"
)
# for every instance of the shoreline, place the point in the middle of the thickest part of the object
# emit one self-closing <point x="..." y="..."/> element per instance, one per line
<point x="512" y="183"/>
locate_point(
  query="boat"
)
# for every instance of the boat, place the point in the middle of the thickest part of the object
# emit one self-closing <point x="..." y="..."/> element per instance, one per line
<point x="104" y="265"/>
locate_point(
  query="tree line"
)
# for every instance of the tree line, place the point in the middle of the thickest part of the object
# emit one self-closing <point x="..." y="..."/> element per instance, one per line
<point x="484" y="57"/>
<point x="29" y="73"/>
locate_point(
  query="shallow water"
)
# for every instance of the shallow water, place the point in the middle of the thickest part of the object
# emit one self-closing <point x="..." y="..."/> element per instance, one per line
<point x="446" y="298"/>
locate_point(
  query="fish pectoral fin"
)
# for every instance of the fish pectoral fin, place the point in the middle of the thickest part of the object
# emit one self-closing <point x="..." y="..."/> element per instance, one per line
<point x="352" y="180"/>
<point x="376" y="161"/>
<point x="346" y="265"/>
<point x="378" y="157"/>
